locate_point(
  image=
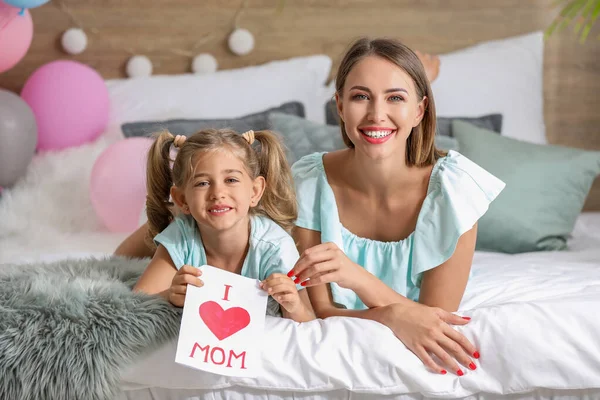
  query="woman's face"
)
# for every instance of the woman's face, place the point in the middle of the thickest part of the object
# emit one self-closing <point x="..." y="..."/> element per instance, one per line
<point x="379" y="107"/>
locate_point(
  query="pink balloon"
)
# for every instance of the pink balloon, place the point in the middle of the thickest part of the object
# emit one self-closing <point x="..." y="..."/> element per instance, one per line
<point x="16" y="32"/>
<point x="70" y="102"/>
<point x="118" y="184"/>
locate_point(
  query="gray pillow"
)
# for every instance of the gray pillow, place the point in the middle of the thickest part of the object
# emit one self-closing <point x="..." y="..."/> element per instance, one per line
<point x="492" y="122"/>
<point x="302" y="137"/>
<point x="257" y="122"/>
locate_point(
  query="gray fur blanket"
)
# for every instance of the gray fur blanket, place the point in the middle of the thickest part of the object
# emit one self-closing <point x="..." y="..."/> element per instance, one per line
<point x="68" y="328"/>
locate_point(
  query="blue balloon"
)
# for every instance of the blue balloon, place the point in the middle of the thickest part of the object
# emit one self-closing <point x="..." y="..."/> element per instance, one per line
<point x="26" y="3"/>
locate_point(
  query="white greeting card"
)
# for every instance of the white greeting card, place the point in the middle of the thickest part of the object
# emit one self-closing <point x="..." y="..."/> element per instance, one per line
<point x="222" y="324"/>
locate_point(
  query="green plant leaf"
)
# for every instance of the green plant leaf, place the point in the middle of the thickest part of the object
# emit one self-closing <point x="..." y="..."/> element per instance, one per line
<point x="584" y="15"/>
<point x="569" y="12"/>
<point x="596" y="11"/>
<point x="586" y="32"/>
<point x="586" y="12"/>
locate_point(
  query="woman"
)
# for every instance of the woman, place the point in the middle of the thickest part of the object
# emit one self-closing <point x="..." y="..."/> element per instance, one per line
<point x="387" y="227"/>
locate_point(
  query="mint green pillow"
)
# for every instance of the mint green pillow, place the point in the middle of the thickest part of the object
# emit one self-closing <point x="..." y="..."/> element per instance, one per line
<point x="546" y="187"/>
<point x="303" y="137"/>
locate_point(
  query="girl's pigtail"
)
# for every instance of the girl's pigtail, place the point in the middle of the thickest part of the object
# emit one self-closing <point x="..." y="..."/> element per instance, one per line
<point x="159" y="180"/>
<point x="279" y="199"/>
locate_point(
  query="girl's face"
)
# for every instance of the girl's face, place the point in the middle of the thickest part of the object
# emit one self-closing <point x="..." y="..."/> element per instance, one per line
<point x="221" y="191"/>
<point x="379" y="107"/>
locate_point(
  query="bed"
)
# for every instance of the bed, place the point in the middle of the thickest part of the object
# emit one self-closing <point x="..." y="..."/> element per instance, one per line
<point x="533" y="319"/>
<point x="533" y="312"/>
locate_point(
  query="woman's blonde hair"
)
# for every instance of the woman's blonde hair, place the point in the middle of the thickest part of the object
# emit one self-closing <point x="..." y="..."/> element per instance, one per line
<point x="420" y="147"/>
<point x="268" y="160"/>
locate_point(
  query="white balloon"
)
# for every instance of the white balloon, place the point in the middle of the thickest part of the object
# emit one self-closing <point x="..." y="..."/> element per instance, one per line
<point x="241" y="42"/>
<point x="74" y="41"/>
<point x="139" y="66"/>
<point x="204" y="63"/>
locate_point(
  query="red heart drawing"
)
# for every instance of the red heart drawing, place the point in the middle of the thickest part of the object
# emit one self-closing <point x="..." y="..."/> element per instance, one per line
<point x="223" y="323"/>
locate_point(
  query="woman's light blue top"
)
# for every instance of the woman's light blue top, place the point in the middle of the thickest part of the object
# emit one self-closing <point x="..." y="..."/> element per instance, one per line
<point x="459" y="193"/>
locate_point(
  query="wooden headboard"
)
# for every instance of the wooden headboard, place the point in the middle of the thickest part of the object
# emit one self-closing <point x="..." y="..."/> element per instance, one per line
<point x="118" y="27"/>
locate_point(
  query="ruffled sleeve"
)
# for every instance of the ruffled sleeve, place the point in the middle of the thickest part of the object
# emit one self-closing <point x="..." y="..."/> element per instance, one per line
<point x="317" y="209"/>
<point x="460" y="193"/>
<point x="307" y="173"/>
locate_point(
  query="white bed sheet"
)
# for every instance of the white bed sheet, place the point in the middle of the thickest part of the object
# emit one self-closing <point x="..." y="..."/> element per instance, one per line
<point x="534" y="319"/>
<point x="252" y="394"/>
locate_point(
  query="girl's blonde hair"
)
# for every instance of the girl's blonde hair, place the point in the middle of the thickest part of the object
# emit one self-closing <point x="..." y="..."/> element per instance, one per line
<point x="420" y="147"/>
<point x="268" y="160"/>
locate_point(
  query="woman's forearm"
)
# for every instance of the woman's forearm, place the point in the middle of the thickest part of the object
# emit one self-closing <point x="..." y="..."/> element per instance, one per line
<point x="374" y="314"/>
<point x="374" y="293"/>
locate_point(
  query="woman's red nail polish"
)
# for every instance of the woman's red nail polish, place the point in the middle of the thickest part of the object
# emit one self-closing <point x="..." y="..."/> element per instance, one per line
<point x="467" y="318"/>
<point x="297" y="281"/>
<point x="443" y="372"/>
<point x="459" y="372"/>
<point x="476" y="354"/>
<point x="304" y="283"/>
<point x="290" y="274"/>
<point x="472" y="366"/>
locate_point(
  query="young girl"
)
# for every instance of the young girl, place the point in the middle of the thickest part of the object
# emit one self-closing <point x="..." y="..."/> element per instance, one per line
<point x="235" y="203"/>
<point x="387" y="227"/>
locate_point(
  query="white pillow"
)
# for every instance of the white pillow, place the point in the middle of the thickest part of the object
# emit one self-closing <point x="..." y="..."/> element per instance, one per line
<point x="223" y="94"/>
<point x="502" y="76"/>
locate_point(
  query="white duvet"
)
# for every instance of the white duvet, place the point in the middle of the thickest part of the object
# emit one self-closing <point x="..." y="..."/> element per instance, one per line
<point x="534" y="320"/>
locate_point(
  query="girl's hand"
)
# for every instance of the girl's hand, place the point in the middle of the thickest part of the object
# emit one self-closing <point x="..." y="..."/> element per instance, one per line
<point x="426" y="330"/>
<point x="284" y="291"/>
<point x="187" y="275"/>
<point x="325" y="263"/>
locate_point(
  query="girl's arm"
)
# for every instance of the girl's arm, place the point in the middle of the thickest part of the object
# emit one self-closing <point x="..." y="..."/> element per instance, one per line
<point x="162" y="277"/>
<point x="445" y="285"/>
<point x="135" y="245"/>
<point x="158" y="275"/>
<point x="303" y="314"/>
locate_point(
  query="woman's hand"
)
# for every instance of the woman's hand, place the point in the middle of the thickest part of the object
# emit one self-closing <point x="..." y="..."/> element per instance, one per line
<point x="426" y="331"/>
<point x="431" y="63"/>
<point x="325" y="263"/>
<point x="187" y="275"/>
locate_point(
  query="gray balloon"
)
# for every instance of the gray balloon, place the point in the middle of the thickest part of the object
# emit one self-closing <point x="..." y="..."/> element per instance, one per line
<point x="18" y="137"/>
